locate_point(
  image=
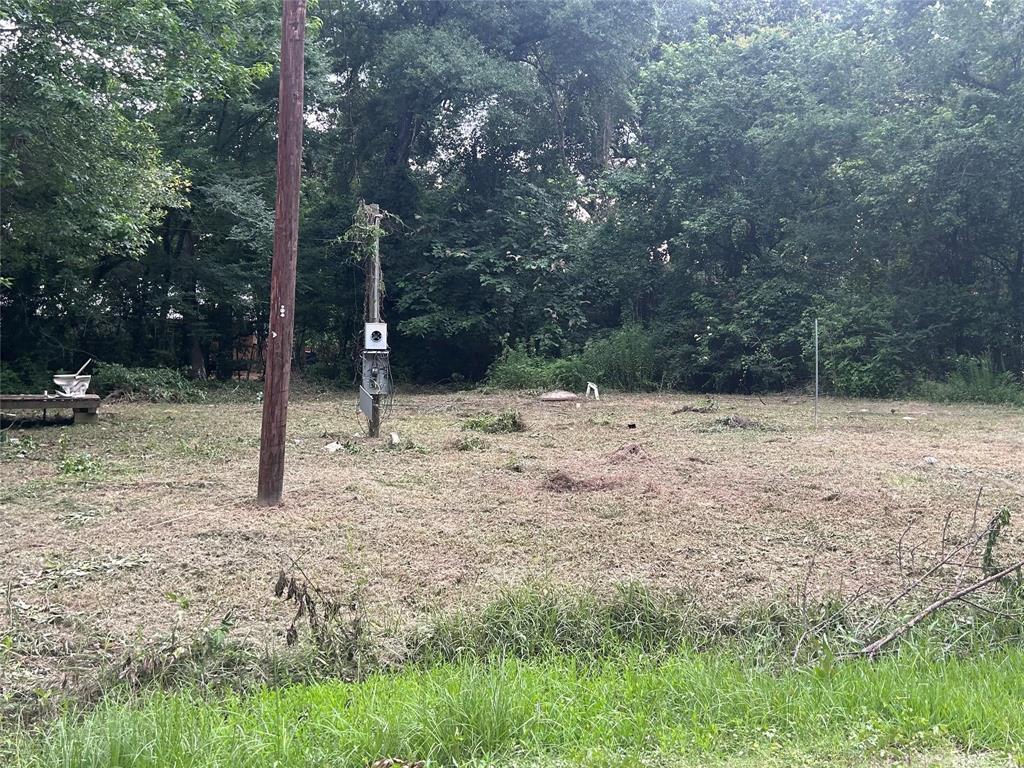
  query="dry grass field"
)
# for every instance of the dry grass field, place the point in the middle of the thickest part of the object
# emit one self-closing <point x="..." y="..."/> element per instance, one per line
<point x="114" y="534"/>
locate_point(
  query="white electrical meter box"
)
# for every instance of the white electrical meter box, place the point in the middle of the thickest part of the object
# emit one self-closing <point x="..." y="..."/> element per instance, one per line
<point x="375" y="337"/>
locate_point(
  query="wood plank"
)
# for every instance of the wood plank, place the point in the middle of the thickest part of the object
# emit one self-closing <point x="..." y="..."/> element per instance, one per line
<point x="39" y="402"/>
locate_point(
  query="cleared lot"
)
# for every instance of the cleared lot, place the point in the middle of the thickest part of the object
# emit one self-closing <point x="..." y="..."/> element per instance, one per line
<point x="115" y="534"/>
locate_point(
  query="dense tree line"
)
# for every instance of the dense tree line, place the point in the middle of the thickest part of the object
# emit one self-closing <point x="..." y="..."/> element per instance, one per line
<point x="695" y="181"/>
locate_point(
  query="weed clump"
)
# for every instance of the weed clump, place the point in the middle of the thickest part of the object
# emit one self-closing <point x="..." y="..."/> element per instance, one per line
<point x="506" y="422"/>
<point x="538" y="620"/>
<point x="738" y="422"/>
<point x="469" y="443"/>
<point x="75" y="464"/>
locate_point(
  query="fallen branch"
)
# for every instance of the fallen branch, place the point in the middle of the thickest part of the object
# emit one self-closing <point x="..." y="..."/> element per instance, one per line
<point x="872" y="649"/>
<point x="947" y="559"/>
<point x="992" y="611"/>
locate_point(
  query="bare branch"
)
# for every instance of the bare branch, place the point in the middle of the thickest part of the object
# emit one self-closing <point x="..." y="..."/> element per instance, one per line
<point x="872" y="649"/>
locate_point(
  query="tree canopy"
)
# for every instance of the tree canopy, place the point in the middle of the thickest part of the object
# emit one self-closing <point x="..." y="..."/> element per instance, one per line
<point x="698" y="180"/>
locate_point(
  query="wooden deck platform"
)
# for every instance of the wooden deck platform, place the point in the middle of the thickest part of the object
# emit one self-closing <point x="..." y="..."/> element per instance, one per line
<point x="83" y="406"/>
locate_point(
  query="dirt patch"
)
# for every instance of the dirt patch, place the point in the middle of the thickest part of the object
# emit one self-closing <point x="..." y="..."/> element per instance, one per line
<point x="629" y="452"/>
<point x="738" y="422"/>
<point x="562" y="482"/>
<point x="708" y="406"/>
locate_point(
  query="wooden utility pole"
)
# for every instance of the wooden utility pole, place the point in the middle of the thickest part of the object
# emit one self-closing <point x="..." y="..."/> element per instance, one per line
<point x="373" y="278"/>
<point x="286" y="242"/>
<point x="376" y="379"/>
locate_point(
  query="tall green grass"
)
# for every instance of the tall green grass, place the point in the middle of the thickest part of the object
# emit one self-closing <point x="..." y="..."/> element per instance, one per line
<point x="540" y="619"/>
<point x="700" y="708"/>
<point x="545" y="676"/>
<point x="519" y="368"/>
<point x="975" y="380"/>
<point x="624" y="359"/>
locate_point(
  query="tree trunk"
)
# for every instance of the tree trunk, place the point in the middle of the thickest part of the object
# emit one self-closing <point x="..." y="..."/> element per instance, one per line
<point x="603" y="145"/>
<point x="197" y="362"/>
<point x="1016" y="289"/>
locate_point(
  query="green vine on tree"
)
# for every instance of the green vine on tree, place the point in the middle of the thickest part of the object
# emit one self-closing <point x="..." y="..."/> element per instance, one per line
<point x="367" y="229"/>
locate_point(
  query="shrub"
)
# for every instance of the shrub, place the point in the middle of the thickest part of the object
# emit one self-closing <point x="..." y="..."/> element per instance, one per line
<point x="154" y="384"/>
<point x="10" y="381"/>
<point x="518" y="368"/>
<point x="23" y="377"/>
<point x="975" y="380"/>
<point x="863" y="354"/>
<point x="625" y="359"/>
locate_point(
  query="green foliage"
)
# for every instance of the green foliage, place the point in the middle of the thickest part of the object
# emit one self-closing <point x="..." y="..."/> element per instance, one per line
<point x="988" y="558"/>
<point x="506" y="422"/>
<point x="75" y="465"/>
<point x="544" y="672"/>
<point x="625" y="359"/>
<point x="640" y="194"/>
<point x="326" y="371"/>
<point x="862" y="355"/>
<point x="153" y="384"/>
<point x="24" y="376"/>
<point x="975" y="380"/>
<point x="538" y="620"/>
<point x="469" y="443"/>
<point x="685" y="708"/>
<point x="100" y="107"/>
<point x="518" y="368"/>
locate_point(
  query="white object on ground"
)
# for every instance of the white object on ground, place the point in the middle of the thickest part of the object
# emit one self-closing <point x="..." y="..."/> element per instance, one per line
<point x="592" y="387"/>
<point x="332" y="447"/>
<point x="394" y="438"/>
<point x="559" y="396"/>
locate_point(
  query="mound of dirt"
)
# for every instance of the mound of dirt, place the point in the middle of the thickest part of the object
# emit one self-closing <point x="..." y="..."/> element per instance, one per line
<point x="629" y="452"/>
<point x="562" y="482"/>
<point x="707" y="406"/>
<point x="739" y="422"/>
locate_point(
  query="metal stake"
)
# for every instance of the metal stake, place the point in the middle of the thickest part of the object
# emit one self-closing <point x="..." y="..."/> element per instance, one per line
<point x="815" y="373"/>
